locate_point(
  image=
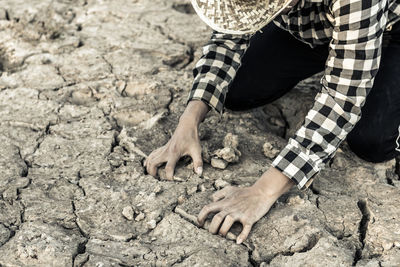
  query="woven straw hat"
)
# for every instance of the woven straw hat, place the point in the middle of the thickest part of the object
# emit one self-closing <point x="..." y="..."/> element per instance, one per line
<point x="238" y="16"/>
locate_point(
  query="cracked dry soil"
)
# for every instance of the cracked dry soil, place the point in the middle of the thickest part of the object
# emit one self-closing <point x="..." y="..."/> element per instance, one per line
<point x="88" y="88"/>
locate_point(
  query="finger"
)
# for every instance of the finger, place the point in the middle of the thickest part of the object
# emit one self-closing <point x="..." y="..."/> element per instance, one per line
<point x="216" y="222"/>
<point x="197" y="160"/>
<point x="221" y="193"/>
<point x="228" y="222"/>
<point x="152" y="155"/>
<point x="147" y="160"/>
<point x="210" y="208"/>
<point x="154" y="164"/>
<point x="170" y="167"/>
<point x="244" y="234"/>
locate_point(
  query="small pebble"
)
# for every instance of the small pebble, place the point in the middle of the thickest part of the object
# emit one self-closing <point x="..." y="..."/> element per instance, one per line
<point x="293" y="200"/>
<point x="192" y="190"/>
<point x="219" y="163"/>
<point x="219" y="184"/>
<point x="163" y="176"/>
<point x="140" y="217"/>
<point x="158" y="189"/>
<point x="203" y="188"/>
<point x="151" y="224"/>
<point x="178" y="179"/>
<point x="270" y="151"/>
<point x="127" y="212"/>
<point x="82" y="96"/>
<point x="387" y="245"/>
<point x="228" y="154"/>
<point x="231" y="140"/>
<point x="181" y="199"/>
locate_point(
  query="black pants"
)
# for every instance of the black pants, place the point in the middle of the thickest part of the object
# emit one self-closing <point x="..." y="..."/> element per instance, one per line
<point x="275" y="62"/>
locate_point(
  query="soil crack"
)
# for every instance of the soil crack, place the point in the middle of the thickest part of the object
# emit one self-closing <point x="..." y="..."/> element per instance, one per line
<point x="363" y="227"/>
<point x="81" y="249"/>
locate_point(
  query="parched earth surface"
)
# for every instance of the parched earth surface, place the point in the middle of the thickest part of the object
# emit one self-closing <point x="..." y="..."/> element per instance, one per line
<point x="89" y="88"/>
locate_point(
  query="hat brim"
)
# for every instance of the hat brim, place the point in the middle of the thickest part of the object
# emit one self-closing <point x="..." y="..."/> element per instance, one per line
<point x="250" y="28"/>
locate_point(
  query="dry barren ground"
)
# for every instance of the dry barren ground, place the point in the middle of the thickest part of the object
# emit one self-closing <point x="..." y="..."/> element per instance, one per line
<point x="87" y="88"/>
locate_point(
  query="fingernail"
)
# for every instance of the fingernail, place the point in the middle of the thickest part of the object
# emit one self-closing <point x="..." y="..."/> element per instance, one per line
<point x="199" y="170"/>
<point x="239" y="241"/>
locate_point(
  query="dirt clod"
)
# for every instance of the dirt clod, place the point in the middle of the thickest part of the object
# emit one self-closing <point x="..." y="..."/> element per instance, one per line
<point x="219" y="163"/>
<point x="128" y="213"/>
<point x="270" y="151"/>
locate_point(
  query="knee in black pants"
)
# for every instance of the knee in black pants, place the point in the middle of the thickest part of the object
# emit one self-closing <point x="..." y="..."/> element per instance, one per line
<point x="370" y="146"/>
<point x="241" y="103"/>
<point x="238" y="100"/>
<point x="234" y="104"/>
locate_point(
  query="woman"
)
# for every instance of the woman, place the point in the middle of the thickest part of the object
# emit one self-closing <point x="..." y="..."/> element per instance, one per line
<point x="357" y="45"/>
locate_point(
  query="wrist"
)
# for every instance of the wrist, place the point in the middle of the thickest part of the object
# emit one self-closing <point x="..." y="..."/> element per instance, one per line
<point x="273" y="184"/>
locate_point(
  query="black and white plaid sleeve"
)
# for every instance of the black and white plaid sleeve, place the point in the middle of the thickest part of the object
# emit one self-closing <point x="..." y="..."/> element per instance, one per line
<point x="217" y="67"/>
<point x="353" y="61"/>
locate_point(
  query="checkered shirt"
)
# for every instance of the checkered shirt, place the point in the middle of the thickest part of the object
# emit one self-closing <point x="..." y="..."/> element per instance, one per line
<point x="354" y="30"/>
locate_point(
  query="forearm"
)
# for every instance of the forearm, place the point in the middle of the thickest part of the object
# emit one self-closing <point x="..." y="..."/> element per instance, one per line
<point x="194" y="113"/>
<point x="217" y="67"/>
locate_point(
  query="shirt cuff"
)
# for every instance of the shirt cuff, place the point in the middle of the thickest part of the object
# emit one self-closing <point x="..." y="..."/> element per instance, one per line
<point x="296" y="165"/>
<point x="202" y="91"/>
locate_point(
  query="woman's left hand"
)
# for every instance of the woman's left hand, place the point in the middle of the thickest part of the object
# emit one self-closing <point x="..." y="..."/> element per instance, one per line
<point x="246" y="205"/>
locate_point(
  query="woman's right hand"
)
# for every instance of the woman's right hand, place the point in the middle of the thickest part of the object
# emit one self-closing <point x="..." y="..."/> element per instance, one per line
<point x="184" y="142"/>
